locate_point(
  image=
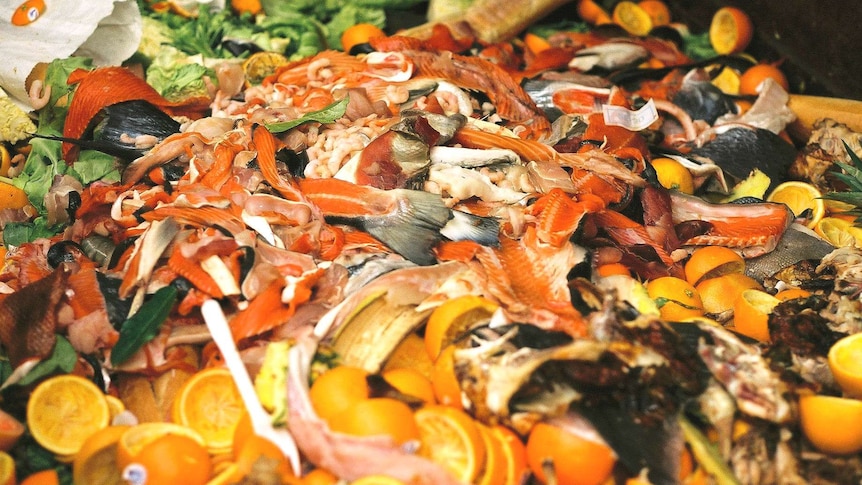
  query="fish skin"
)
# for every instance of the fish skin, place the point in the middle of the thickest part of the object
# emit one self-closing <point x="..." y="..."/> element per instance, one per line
<point x="27" y="330"/>
<point x="797" y="244"/>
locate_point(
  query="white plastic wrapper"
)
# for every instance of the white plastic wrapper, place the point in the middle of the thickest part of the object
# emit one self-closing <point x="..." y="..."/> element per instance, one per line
<point x="108" y="31"/>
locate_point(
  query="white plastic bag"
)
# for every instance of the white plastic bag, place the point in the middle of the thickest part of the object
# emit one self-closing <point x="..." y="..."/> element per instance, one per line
<point x="108" y="31"/>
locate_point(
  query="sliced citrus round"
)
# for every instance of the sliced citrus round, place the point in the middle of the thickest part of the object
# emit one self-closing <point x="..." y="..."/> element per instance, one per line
<point x="610" y="269"/>
<point x="63" y="411"/>
<point x="719" y="294"/>
<point x="377" y="480"/>
<point x="515" y="453"/>
<point x="260" y="65"/>
<point x="450" y="438"/>
<point x="632" y="18"/>
<point x="574" y="458"/>
<point x="115" y="404"/>
<point x="845" y="361"/>
<point x="836" y="231"/>
<point x="675" y="298"/>
<point x="319" y="476"/>
<point x="454" y="317"/>
<point x="96" y="462"/>
<point x="412" y="383"/>
<point x="447" y="389"/>
<point x="802" y="198"/>
<point x="712" y="261"/>
<point x="210" y="404"/>
<point x="7" y="469"/>
<point x="495" y="469"/>
<point x="377" y="416"/>
<point x="730" y="31"/>
<point x="751" y="313"/>
<point x="832" y="424"/>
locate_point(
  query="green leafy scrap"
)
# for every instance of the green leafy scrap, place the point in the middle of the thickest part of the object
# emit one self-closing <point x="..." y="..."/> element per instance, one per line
<point x="328" y="114"/>
<point x="852" y="176"/>
<point x="61" y="361"/>
<point x="144" y="325"/>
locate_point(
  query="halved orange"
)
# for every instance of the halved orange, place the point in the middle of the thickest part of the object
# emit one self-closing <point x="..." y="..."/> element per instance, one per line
<point x="658" y="11"/>
<point x="673" y="175"/>
<point x="719" y="294"/>
<point x="837" y="231"/>
<point x="64" y="410"/>
<point x="675" y="297"/>
<point x="337" y="389"/>
<point x="845" y="362"/>
<point x="138" y="437"/>
<point x="412" y="383"/>
<point x="7" y="469"/>
<point x="411" y="354"/>
<point x="800" y="197"/>
<point x="96" y="462"/>
<point x="631" y="17"/>
<point x="11" y="430"/>
<point x="375" y="417"/>
<point x="751" y="81"/>
<point x="209" y="403"/>
<point x="832" y="424"/>
<point x="450" y="438"/>
<point x="751" y="313"/>
<point x="730" y="31"/>
<point x="454" y="317"/>
<point x="712" y="261"/>
<point x="377" y="480"/>
<point x="592" y="13"/>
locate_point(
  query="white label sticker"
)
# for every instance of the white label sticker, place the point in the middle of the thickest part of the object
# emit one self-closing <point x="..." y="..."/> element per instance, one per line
<point x="628" y="119"/>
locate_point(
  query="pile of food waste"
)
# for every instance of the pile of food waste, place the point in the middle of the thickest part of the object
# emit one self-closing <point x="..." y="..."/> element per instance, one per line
<point x="490" y="249"/>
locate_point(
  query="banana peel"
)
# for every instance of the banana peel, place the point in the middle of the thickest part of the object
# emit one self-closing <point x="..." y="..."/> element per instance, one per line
<point x="371" y="333"/>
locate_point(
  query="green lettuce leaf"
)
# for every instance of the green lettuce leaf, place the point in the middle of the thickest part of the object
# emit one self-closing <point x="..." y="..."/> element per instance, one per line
<point x="177" y="81"/>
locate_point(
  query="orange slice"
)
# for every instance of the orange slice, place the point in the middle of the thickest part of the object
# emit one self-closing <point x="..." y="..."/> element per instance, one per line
<point x="63" y="411"/>
<point x="496" y="467"/>
<point x="836" y="231"/>
<point x="260" y="65"/>
<point x="450" y="438"/>
<point x="730" y="31"/>
<point x="137" y="437"/>
<point x="11" y="431"/>
<point x="454" y="317"/>
<point x="751" y="313"/>
<point x="832" y="424"/>
<point x="792" y="294"/>
<point x="845" y="362"/>
<point x="632" y="18"/>
<point x="515" y="453"/>
<point x="210" y="404"/>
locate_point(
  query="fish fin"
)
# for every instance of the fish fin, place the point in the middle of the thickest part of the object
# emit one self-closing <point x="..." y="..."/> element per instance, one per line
<point x="413" y="229"/>
<point x="469" y="227"/>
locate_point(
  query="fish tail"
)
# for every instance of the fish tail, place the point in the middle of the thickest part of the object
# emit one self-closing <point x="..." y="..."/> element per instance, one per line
<point x="465" y="226"/>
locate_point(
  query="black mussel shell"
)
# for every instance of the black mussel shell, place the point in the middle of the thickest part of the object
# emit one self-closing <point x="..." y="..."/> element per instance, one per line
<point x="740" y="150"/>
<point x="703" y="100"/>
<point x="668" y="33"/>
<point x="240" y="47"/>
<point x="129" y="119"/>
